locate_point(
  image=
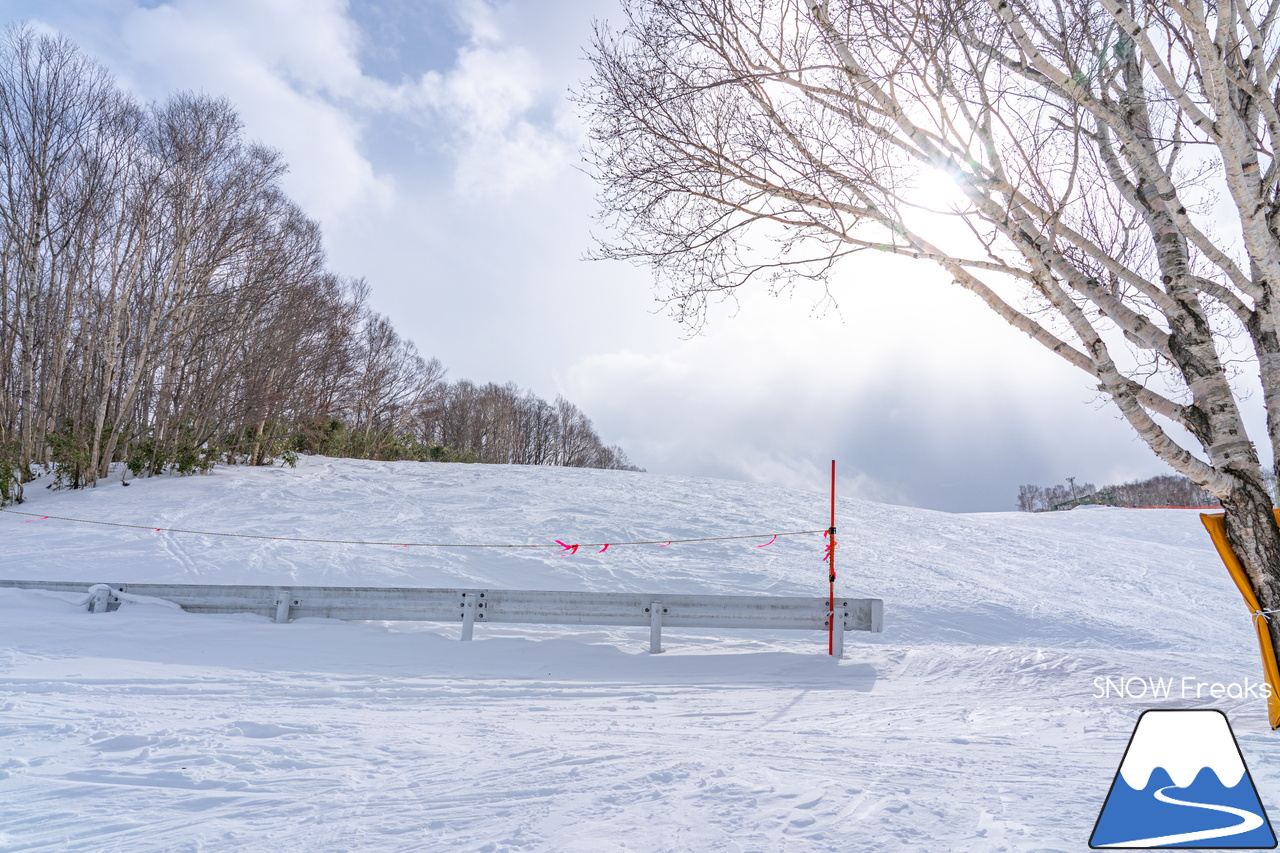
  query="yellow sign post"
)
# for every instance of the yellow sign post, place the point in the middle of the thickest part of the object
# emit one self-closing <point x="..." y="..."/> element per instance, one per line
<point x="1217" y="527"/>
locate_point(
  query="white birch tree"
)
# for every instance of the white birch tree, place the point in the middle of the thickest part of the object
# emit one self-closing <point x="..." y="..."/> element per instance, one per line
<point x="1114" y="163"/>
<point x="53" y="103"/>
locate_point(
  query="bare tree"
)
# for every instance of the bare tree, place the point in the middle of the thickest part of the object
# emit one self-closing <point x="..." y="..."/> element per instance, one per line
<point x="502" y="424"/>
<point x="391" y="384"/>
<point x="1085" y="141"/>
<point x="53" y="103"/>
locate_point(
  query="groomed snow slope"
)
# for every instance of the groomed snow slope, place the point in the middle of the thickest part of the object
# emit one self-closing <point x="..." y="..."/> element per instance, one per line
<point x="973" y="723"/>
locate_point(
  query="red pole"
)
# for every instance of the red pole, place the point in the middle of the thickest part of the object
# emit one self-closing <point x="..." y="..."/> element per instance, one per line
<point x="831" y="566"/>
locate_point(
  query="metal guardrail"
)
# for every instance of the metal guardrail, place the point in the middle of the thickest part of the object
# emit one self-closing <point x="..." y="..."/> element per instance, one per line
<point x="479" y="606"/>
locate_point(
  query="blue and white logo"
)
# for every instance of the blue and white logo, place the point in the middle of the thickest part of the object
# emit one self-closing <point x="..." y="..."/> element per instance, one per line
<point x="1183" y="783"/>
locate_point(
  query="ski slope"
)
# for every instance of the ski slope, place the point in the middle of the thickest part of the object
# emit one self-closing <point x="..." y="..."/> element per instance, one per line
<point x="975" y="722"/>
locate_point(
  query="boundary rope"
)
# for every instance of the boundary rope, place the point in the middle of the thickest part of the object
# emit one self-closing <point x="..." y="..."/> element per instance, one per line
<point x="660" y="542"/>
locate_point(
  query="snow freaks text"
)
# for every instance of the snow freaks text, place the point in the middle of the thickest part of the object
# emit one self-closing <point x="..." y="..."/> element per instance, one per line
<point x="1185" y="687"/>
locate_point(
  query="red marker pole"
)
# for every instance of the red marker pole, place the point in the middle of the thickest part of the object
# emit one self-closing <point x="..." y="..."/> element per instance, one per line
<point x="831" y="566"/>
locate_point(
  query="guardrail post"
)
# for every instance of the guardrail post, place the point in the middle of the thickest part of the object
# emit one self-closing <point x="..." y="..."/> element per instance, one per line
<point x="282" y="606"/>
<point x="837" y="638"/>
<point x="468" y="615"/>
<point x="101" y="597"/>
<point x="655" y="627"/>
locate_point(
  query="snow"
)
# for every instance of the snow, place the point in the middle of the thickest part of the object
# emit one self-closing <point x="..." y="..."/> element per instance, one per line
<point x="989" y="715"/>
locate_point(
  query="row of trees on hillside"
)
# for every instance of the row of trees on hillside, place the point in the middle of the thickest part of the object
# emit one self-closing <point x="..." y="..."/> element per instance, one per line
<point x="164" y="303"/>
<point x="501" y="423"/>
<point x="1161" y="490"/>
<point x="421" y="416"/>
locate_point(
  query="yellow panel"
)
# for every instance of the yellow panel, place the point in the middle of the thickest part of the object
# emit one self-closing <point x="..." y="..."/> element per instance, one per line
<point x="1217" y="527"/>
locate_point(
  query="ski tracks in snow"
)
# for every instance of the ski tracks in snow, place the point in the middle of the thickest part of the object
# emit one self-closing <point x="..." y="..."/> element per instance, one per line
<point x="229" y="742"/>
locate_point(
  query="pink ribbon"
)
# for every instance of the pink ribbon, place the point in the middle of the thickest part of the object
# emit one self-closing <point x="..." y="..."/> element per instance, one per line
<point x="668" y="545"/>
<point x="42" y="518"/>
<point x="605" y="548"/>
<point x="770" y="542"/>
<point x="568" y="549"/>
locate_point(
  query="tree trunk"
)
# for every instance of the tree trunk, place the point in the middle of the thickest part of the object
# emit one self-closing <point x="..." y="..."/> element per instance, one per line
<point x="1255" y="539"/>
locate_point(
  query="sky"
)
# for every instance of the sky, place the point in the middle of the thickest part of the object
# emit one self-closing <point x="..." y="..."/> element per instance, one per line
<point x="437" y="144"/>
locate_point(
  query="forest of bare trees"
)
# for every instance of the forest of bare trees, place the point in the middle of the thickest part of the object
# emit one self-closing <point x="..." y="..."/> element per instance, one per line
<point x="163" y="303"/>
<point x="1160" y="490"/>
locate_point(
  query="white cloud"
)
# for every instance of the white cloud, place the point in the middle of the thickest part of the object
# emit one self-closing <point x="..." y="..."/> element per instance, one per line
<point x="488" y="95"/>
<point x="292" y="70"/>
<point x="289" y="68"/>
<point x="923" y="395"/>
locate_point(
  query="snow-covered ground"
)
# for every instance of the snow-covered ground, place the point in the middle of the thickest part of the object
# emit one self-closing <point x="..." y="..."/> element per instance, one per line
<point x="973" y="723"/>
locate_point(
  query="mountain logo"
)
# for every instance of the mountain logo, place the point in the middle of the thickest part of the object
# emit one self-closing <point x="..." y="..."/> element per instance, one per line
<point x="1183" y="783"/>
